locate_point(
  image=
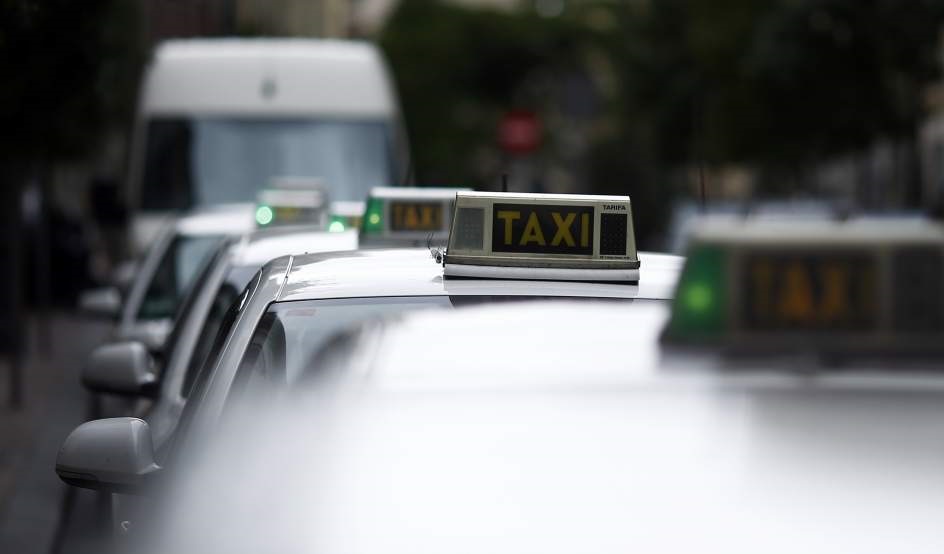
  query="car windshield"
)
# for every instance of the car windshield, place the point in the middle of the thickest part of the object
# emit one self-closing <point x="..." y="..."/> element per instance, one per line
<point x="175" y="272"/>
<point x="215" y="160"/>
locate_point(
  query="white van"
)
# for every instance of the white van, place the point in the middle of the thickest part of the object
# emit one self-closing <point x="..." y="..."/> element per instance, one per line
<point x="219" y="118"/>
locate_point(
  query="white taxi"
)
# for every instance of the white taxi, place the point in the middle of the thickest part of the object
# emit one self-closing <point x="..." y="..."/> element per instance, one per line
<point x="558" y="247"/>
<point x="166" y="273"/>
<point x="790" y="400"/>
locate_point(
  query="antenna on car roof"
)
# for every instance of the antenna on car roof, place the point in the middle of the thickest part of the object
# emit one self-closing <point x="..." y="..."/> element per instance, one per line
<point x="504" y="182"/>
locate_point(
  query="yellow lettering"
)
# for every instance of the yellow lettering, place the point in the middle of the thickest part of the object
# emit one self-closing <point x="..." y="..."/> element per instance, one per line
<point x="563" y="229"/>
<point x="797" y="301"/>
<point x="585" y="230"/>
<point x="532" y="231"/>
<point x="835" y="279"/>
<point x="763" y="276"/>
<point x="426" y="221"/>
<point x="397" y="215"/>
<point x="508" y="216"/>
<point x="412" y="218"/>
<point x="865" y="302"/>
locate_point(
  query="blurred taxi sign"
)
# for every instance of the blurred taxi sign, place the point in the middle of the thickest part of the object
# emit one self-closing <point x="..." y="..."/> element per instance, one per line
<point x="855" y="286"/>
<point x="404" y="216"/>
<point x="292" y="201"/>
<point x="542" y="236"/>
<point x="345" y="215"/>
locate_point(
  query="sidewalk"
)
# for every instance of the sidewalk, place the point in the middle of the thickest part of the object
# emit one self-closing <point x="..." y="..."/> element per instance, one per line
<point x="54" y="403"/>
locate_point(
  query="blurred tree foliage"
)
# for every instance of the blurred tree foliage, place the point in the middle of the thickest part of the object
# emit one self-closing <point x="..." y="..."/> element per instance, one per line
<point x="70" y="69"/>
<point x="777" y="85"/>
<point x="459" y="69"/>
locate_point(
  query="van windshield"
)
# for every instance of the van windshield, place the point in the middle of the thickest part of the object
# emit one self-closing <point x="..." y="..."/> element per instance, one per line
<point x="200" y="161"/>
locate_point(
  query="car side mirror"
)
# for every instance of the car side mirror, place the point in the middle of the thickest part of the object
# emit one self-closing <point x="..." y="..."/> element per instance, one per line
<point x="152" y="334"/>
<point x="121" y="368"/>
<point x="102" y="302"/>
<point x="110" y="455"/>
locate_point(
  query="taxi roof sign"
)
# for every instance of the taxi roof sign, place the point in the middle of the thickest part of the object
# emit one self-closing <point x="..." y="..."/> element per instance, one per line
<point x="542" y="236"/>
<point x="345" y="215"/>
<point x="407" y="216"/>
<point x="292" y="201"/>
<point x="865" y="286"/>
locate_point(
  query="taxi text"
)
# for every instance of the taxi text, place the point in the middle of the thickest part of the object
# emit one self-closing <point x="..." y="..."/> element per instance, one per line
<point x="547" y="229"/>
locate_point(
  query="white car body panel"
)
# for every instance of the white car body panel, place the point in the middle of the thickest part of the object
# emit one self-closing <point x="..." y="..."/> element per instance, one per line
<point x="526" y="443"/>
<point x="413" y="272"/>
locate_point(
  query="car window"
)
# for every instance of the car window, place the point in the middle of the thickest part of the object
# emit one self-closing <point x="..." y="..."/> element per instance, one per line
<point x="236" y="279"/>
<point x="224" y="159"/>
<point x="198" y="382"/>
<point x="187" y="306"/>
<point x="217" y="318"/>
<point x="175" y="274"/>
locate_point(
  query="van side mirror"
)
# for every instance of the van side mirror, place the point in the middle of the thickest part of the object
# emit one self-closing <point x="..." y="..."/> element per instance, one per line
<point x="102" y="302"/>
<point x="121" y="368"/>
<point x="110" y="455"/>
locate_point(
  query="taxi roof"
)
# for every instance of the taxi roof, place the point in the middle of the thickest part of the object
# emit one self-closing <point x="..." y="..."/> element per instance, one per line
<point x="605" y="452"/>
<point x="227" y="219"/>
<point x="558" y="353"/>
<point x="263" y="245"/>
<point x="539" y="353"/>
<point x="412" y="272"/>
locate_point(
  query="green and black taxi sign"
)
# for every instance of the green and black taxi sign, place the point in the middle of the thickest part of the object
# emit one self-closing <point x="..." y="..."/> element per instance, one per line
<point x="865" y="286"/>
<point x="405" y="216"/>
<point x="292" y="206"/>
<point x="542" y="236"/>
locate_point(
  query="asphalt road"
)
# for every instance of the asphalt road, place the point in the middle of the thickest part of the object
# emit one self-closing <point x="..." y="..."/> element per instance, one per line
<point x="54" y="402"/>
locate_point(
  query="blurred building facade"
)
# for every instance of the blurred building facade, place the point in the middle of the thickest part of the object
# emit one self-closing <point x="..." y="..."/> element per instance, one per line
<point x="294" y="18"/>
<point x="297" y="18"/>
<point x="367" y="16"/>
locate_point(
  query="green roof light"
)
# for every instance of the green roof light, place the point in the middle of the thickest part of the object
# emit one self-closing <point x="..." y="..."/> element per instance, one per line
<point x="373" y="216"/>
<point x="698" y="297"/>
<point x="264" y="215"/>
<point x="336" y="226"/>
<point x="698" y="311"/>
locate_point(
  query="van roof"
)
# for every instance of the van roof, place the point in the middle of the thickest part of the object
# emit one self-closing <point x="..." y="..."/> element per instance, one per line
<point x="268" y="77"/>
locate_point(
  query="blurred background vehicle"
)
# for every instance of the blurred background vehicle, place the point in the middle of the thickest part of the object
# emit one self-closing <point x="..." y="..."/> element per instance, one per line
<point x="158" y="384"/>
<point x="166" y="274"/>
<point x="219" y="120"/>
